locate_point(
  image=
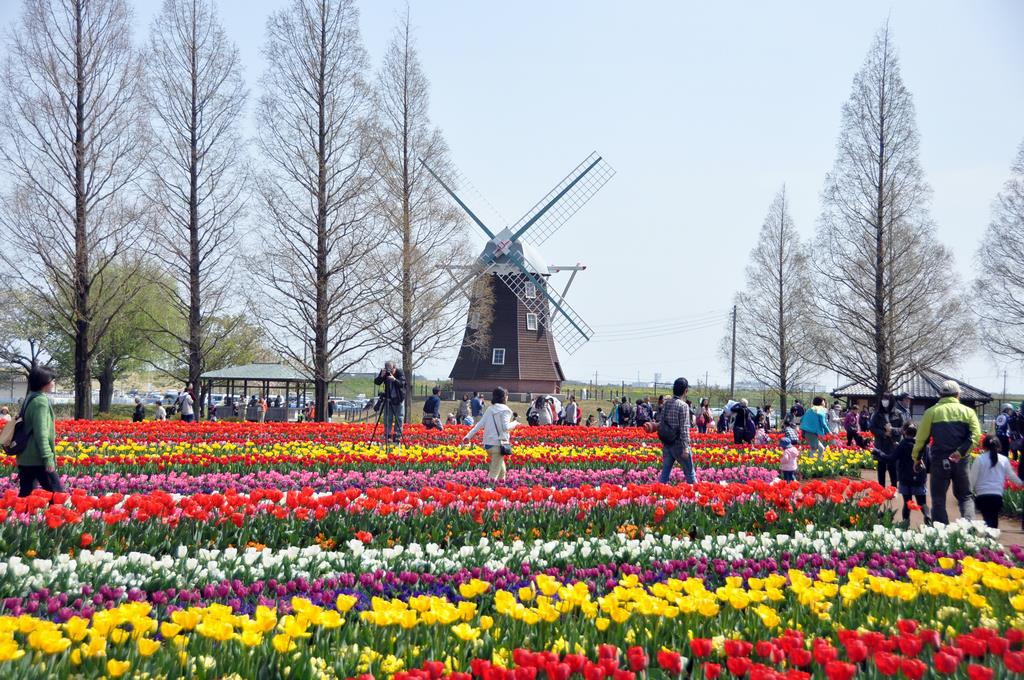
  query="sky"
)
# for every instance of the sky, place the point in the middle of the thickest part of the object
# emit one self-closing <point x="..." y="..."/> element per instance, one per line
<point x="704" y="110"/>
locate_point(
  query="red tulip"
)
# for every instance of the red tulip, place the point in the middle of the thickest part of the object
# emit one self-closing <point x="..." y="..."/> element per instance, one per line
<point x="1014" y="661"/>
<point x="434" y="668"/>
<point x="945" y="664"/>
<point x="910" y="645"/>
<point x="576" y="662"/>
<point x="856" y="651"/>
<point x="738" y="665"/>
<point x="913" y="668"/>
<point x="738" y="648"/>
<point x="907" y="626"/>
<point x="800" y="657"/>
<point x="887" y="664"/>
<point x="976" y="672"/>
<point x="839" y="670"/>
<point x="701" y="647"/>
<point x="593" y="672"/>
<point x="672" y="662"/>
<point x="712" y="670"/>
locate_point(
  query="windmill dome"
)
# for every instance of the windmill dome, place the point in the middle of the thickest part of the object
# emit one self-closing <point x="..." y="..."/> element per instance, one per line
<point x="530" y="257"/>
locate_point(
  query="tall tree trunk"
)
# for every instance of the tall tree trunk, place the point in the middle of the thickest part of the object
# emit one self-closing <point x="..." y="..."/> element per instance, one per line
<point x="320" y="328"/>
<point x="195" y="359"/>
<point x="881" y="335"/>
<point x="106" y="380"/>
<point x="83" y="383"/>
<point x="407" y="292"/>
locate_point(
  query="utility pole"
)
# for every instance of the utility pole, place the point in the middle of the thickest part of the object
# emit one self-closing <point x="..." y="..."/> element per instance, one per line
<point x="732" y="371"/>
<point x="1004" y="387"/>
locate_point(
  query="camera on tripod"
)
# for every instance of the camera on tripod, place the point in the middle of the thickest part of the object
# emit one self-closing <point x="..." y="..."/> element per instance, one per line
<point x="379" y="404"/>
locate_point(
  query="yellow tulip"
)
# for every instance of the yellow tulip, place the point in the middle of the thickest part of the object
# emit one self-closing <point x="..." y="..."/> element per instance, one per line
<point x="147" y="647"/>
<point x="169" y="630"/>
<point x="116" y="669"/>
<point x="602" y="623"/>
<point x="252" y="638"/>
<point x="283" y="643"/>
<point x="465" y="632"/>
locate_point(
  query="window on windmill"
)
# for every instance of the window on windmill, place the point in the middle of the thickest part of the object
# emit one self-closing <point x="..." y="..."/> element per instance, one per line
<point x="498" y="356"/>
<point x="531" y="291"/>
<point x="531" y="321"/>
<point x="474" y="320"/>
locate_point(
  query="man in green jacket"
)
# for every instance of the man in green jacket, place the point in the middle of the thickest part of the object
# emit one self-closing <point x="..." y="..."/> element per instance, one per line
<point x="37" y="463"/>
<point x="954" y="430"/>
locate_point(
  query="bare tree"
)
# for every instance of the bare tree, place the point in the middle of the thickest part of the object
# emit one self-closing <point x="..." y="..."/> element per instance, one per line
<point x="423" y="233"/>
<point x="320" y="293"/>
<point x="1000" y="284"/>
<point x="26" y="338"/>
<point x="73" y="138"/>
<point x="196" y="97"/>
<point x="886" y="298"/>
<point x="771" y="316"/>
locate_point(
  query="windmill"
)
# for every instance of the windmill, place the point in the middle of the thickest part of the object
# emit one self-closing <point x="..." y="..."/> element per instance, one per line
<point x="528" y="314"/>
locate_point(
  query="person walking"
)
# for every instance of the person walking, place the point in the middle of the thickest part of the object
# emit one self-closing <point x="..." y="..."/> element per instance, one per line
<point x="851" y="423"/>
<point x="625" y="412"/>
<point x="463" y="411"/>
<point x="704" y="417"/>
<point x="886" y="436"/>
<point x="743" y="428"/>
<point x="902" y="413"/>
<point x="185" y="404"/>
<point x="642" y="414"/>
<point x="476" y="407"/>
<point x="789" y="459"/>
<point x="572" y="411"/>
<point x="953" y="430"/>
<point x="912" y="478"/>
<point x="814" y="427"/>
<point x="834" y="419"/>
<point x="140" y="411"/>
<point x="393" y="380"/>
<point x="676" y="416"/>
<point x="497" y="422"/>
<point x="160" y="413"/>
<point x="1003" y="420"/>
<point x="37" y="464"/>
<point x="989" y="473"/>
<point x="432" y="411"/>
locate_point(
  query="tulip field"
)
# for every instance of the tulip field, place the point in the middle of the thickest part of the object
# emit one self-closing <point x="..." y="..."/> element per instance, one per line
<point x="234" y="550"/>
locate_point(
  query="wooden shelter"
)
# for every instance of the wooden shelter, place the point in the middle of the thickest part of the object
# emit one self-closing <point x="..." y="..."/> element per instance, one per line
<point x="263" y="379"/>
<point x="922" y="386"/>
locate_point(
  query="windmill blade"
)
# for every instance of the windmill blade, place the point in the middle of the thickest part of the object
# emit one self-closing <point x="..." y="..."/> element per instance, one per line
<point x="458" y="200"/>
<point x="569" y="329"/>
<point x="564" y="201"/>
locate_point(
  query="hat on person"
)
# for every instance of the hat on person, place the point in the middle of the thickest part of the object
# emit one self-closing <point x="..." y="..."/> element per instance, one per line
<point x="950" y="388"/>
<point x="1007" y="407"/>
<point x="785" y="442"/>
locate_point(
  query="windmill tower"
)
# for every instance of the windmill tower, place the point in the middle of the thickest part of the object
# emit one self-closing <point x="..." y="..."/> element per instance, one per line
<point x="528" y="315"/>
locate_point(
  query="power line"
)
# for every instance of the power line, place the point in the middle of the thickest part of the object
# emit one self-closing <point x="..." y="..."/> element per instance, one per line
<point x="664" y="322"/>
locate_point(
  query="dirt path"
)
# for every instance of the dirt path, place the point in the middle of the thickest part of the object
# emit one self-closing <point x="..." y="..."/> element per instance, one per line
<point x="1009" y="528"/>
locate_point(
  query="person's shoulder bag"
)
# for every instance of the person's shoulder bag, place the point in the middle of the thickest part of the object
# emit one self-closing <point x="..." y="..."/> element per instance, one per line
<point x="505" y="449"/>
<point x="14" y="437"/>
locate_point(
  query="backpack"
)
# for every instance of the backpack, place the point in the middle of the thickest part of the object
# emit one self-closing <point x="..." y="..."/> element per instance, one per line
<point x="749" y="428"/>
<point x="625" y="414"/>
<point x="667" y="434"/>
<point x="14" y="437"/>
<point x="642" y="414"/>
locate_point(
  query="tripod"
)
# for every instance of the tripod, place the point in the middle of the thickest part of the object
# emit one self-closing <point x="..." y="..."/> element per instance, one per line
<point x="385" y="405"/>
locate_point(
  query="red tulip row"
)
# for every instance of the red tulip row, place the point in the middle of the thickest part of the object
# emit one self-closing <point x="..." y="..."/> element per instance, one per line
<point x="909" y="654"/>
<point x="64" y="508"/>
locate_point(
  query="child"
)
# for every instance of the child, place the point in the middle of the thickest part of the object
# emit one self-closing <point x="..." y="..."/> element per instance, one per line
<point x="788" y="460"/>
<point x="988" y="478"/>
<point x="789" y="429"/>
<point x="911" y="479"/>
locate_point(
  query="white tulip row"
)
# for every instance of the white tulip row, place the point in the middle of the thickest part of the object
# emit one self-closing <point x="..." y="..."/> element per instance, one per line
<point x="192" y="569"/>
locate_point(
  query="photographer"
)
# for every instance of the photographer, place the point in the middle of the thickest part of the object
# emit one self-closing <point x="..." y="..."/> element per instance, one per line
<point x="392" y="400"/>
